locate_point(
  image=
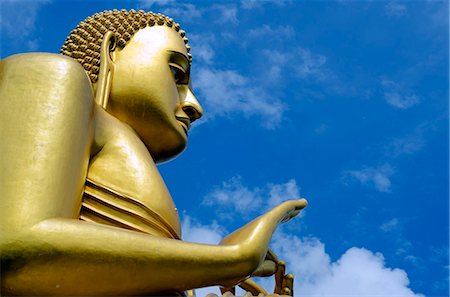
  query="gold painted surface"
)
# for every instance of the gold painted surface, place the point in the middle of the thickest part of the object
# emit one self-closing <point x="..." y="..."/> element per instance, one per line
<point x="84" y="210"/>
<point x="105" y="206"/>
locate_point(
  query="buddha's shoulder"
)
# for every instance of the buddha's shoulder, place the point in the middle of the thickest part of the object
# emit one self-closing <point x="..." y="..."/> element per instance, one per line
<point x="42" y="74"/>
<point x="45" y="60"/>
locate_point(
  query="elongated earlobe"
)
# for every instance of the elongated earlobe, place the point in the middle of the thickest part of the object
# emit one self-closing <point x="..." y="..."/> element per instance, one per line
<point x="106" y="69"/>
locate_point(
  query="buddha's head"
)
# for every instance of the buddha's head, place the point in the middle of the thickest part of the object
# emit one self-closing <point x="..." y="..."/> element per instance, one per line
<point x="149" y="85"/>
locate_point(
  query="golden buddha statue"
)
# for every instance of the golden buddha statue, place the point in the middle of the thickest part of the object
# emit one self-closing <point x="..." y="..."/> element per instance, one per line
<point x="84" y="210"/>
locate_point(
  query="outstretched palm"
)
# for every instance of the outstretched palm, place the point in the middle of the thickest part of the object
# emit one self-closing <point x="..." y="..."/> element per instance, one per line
<point x="254" y="237"/>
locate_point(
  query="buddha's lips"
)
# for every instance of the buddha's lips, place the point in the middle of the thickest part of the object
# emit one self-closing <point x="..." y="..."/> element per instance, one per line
<point x="185" y="123"/>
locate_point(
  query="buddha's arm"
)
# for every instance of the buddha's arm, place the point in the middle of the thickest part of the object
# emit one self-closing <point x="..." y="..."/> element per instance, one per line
<point x="63" y="256"/>
<point x="47" y="127"/>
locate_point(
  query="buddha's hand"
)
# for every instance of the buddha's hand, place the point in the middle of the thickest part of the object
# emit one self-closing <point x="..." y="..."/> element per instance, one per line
<point x="259" y="231"/>
<point x="252" y="240"/>
<point x="284" y="283"/>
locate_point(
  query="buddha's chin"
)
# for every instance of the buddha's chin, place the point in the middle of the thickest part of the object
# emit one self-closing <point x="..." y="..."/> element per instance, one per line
<point x="168" y="148"/>
<point x="166" y="155"/>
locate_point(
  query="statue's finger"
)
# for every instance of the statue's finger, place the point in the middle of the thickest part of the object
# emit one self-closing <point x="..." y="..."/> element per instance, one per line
<point x="286" y="291"/>
<point x="291" y="215"/>
<point x="267" y="268"/>
<point x="288" y="283"/>
<point x="271" y="256"/>
<point x="279" y="275"/>
<point x="228" y="291"/>
<point x="302" y="203"/>
<point x="295" y="207"/>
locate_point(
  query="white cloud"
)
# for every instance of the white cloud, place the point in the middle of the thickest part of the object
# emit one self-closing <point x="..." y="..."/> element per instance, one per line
<point x="226" y="14"/>
<point x="194" y="231"/>
<point x="252" y="4"/>
<point x="395" y="9"/>
<point x="234" y="195"/>
<point x="301" y="65"/>
<point x="398" y="96"/>
<point x="282" y="192"/>
<point x="227" y="93"/>
<point x="390" y="225"/>
<point x="265" y="31"/>
<point x="183" y="12"/>
<point x="307" y="66"/>
<point x="147" y="4"/>
<point x="204" y="53"/>
<point x="407" y="145"/>
<point x="377" y="177"/>
<point x="18" y="20"/>
<point x="357" y="272"/>
<point x="439" y="15"/>
<point x="413" y="142"/>
<point x="202" y="48"/>
<point x="321" y="128"/>
<point x="401" y="101"/>
<point x="311" y="65"/>
<point x="189" y="12"/>
<point x="275" y="65"/>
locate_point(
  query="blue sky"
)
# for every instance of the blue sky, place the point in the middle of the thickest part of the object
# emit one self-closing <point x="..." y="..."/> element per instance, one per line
<point x="344" y="103"/>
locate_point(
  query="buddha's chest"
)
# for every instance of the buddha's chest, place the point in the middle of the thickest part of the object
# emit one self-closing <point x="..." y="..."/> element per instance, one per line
<point x="124" y="189"/>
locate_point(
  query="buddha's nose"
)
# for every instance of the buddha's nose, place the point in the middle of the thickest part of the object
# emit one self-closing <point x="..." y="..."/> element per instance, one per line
<point x="190" y="105"/>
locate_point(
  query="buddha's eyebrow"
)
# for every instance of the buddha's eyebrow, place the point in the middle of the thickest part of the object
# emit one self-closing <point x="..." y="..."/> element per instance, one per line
<point x="180" y="59"/>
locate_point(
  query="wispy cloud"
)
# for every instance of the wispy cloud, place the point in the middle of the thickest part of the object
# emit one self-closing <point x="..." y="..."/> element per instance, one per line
<point x="398" y="96"/>
<point x="252" y="4"/>
<point x="311" y="65"/>
<point x="401" y="101"/>
<point x="322" y="128"/>
<point x="265" y="31"/>
<point x="308" y="66"/>
<point x="394" y="229"/>
<point x="147" y="4"/>
<point x="228" y="93"/>
<point x="414" y="141"/>
<point x="184" y="12"/>
<point x="18" y="21"/>
<point x="276" y="64"/>
<point x="204" y="53"/>
<point x="438" y="11"/>
<point x="234" y="195"/>
<point x="281" y="192"/>
<point x="376" y="177"/>
<point x="390" y="225"/>
<point x="226" y="13"/>
<point x="310" y="69"/>
<point x="395" y="8"/>
<point x="202" y="48"/>
<point x="406" y="145"/>
<point x="181" y="12"/>
<point x="188" y="12"/>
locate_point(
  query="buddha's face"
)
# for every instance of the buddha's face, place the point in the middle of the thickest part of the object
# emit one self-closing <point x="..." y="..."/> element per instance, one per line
<point x="151" y="92"/>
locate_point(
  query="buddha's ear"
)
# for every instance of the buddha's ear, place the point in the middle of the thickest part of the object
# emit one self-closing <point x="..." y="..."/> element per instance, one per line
<point x="106" y="69"/>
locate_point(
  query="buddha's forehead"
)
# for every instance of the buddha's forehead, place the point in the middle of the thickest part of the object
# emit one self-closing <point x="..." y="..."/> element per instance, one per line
<point x="152" y="40"/>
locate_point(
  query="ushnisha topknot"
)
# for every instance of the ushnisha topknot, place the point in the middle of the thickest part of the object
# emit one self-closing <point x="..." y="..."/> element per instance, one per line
<point x="83" y="43"/>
